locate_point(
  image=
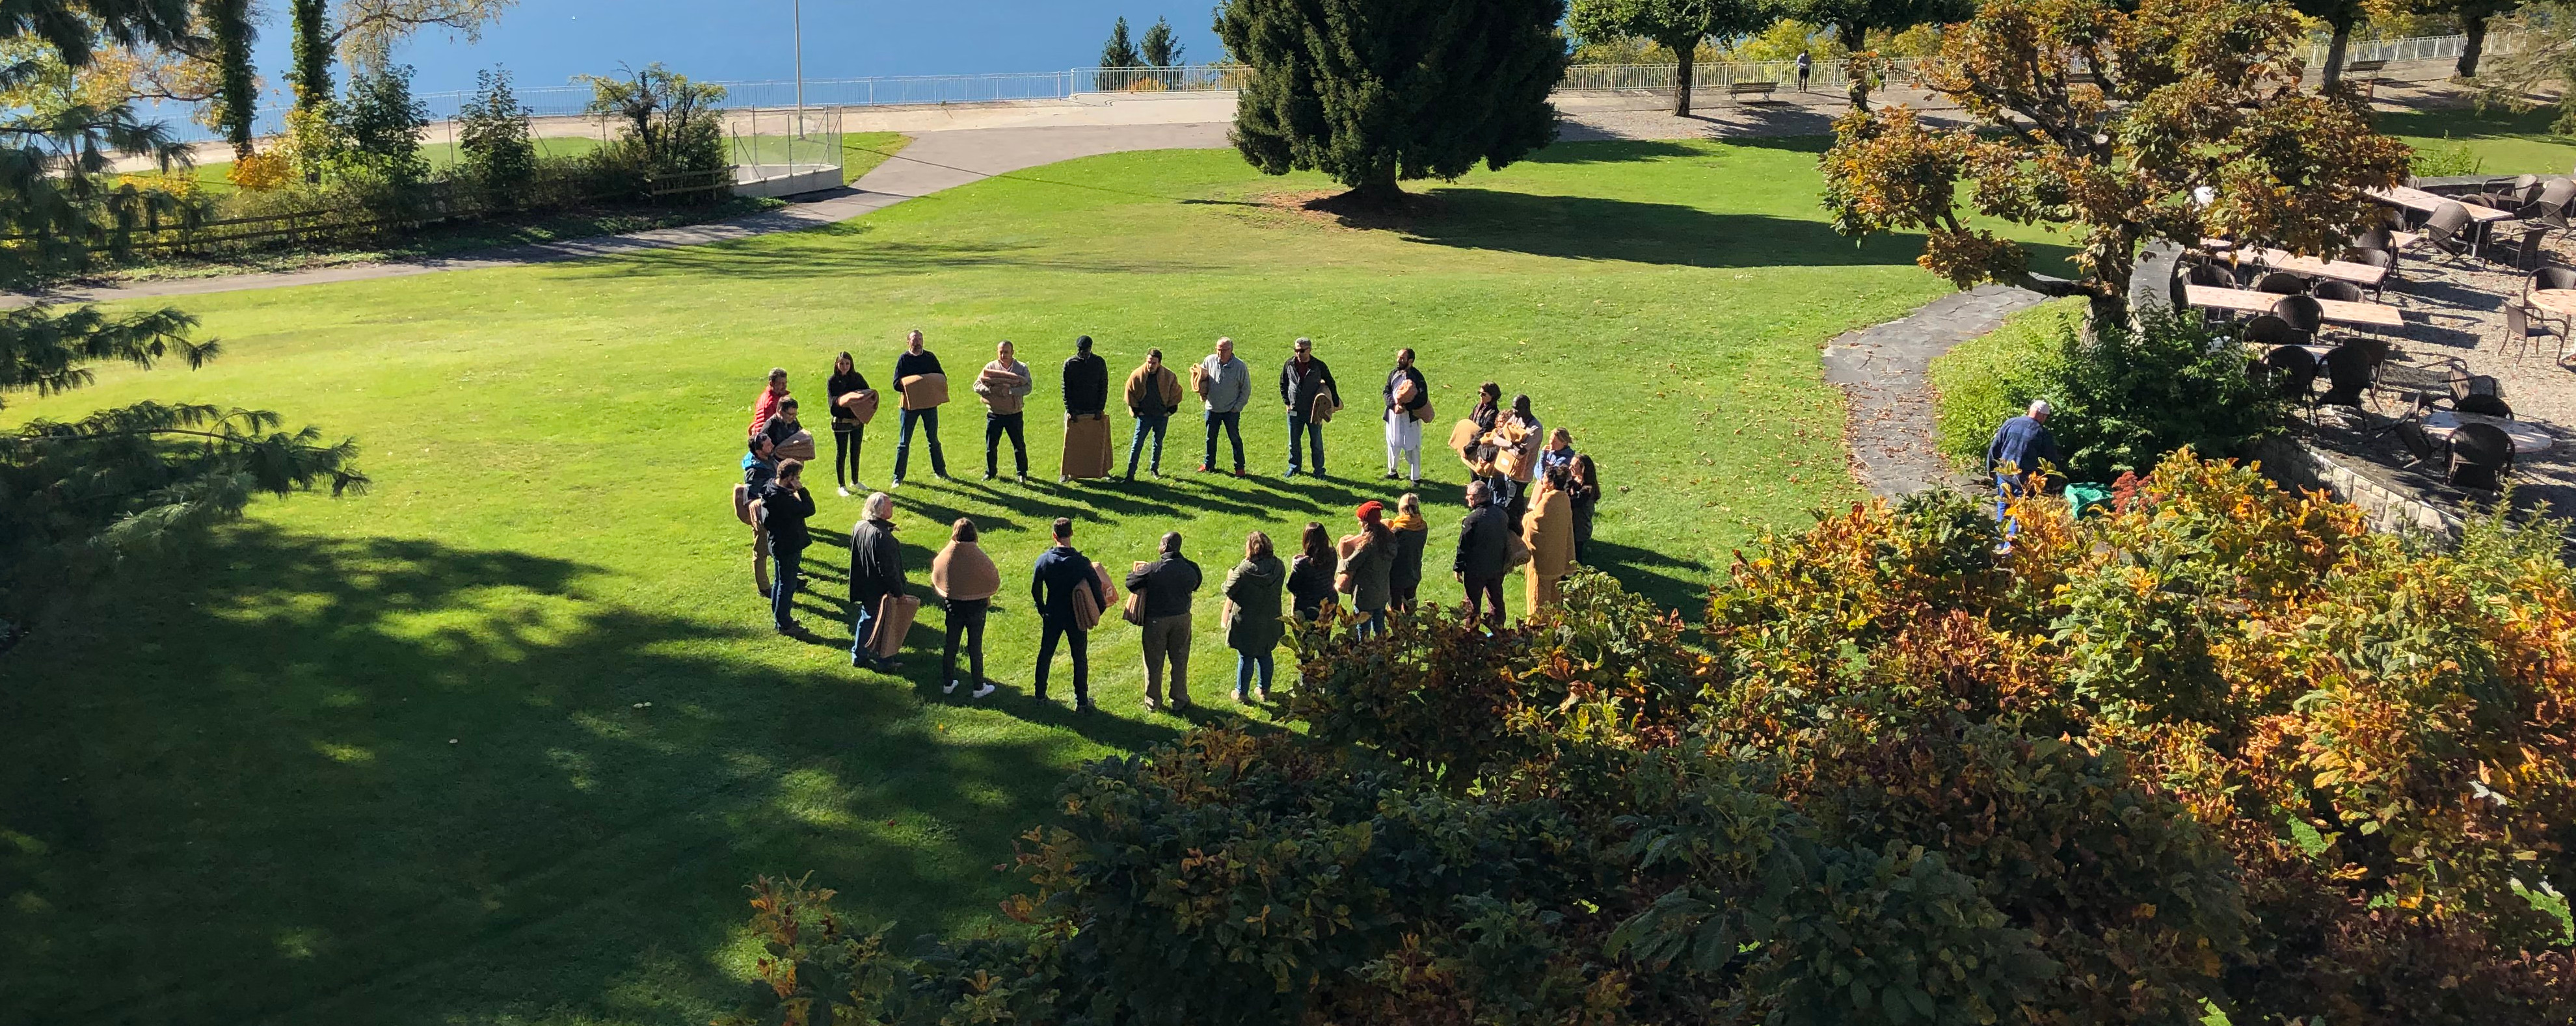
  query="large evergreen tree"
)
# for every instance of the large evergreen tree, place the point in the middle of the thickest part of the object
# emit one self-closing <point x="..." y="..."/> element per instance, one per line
<point x="1161" y="48"/>
<point x="1373" y="92"/>
<point x="1120" y="50"/>
<point x="1678" y="24"/>
<point x="312" y="80"/>
<point x="228" y="26"/>
<point x="79" y="495"/>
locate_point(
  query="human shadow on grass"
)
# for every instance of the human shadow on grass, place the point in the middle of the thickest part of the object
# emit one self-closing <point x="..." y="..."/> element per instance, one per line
<point x="395" y="780"/>
<point x="1670" y="582"/>
<point x="835" y="251"/>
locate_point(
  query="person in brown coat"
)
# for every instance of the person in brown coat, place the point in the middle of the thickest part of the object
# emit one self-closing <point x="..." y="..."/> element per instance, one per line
<point x="964" y="578"/>
<point x="1153" y="395"/>
<point x="1548" y="529"/>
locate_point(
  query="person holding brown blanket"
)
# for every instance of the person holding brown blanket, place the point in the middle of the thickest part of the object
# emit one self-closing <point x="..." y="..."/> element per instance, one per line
<point x="1165" y="586"/>
<point x="1549" y="531"/>
<point x="1004" y="386"/>
<point x="966" y="579"/>
<point x="916" y="361"/>
<point x="1303" y="381"/>
<point x="876" y="571"/>
<point x="845" y="389"/>
<point x="1153" y="395"/>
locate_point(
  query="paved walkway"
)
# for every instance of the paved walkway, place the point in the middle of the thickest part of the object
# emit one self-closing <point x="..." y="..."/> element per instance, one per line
<point x="1881" y="369"/>
<point x="934" y="161"/>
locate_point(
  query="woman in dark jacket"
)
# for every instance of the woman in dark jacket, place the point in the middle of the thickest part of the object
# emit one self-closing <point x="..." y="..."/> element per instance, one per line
<point x="1310" y="575"/>
<point x="1411" y="532"/>
<point x="1586" y="494"/>
<point x="1252" y="626"/>
<point x="847" y="432"/>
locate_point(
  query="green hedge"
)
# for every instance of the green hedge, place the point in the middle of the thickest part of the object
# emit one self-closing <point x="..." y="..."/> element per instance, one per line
<point x="1989" y="379"/>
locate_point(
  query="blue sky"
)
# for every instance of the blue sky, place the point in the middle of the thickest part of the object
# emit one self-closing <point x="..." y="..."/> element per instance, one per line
<point x="544" y="42"/>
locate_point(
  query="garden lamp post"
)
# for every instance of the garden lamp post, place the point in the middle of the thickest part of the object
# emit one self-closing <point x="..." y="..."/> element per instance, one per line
<point x="797" y="29"/>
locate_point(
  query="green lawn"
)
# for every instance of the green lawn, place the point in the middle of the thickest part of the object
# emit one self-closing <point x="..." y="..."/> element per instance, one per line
<point x="2506" y="143"/>
<point x="384" y="759"/>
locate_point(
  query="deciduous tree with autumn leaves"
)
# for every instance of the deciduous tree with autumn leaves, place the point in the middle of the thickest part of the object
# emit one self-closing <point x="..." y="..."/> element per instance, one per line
<point x="2169" y="119"/>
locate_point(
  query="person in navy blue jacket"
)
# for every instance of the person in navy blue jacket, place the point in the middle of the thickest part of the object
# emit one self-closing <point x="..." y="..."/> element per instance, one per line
<point x="1059" y="571"/>
<point x="2022" y="445"/>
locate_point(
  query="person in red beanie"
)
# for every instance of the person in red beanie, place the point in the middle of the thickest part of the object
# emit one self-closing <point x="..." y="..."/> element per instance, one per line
<point x="1368" y="558"/>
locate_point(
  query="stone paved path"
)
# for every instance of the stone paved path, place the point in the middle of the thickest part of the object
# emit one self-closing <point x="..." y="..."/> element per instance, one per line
<point x="934" y="161"/>
<point x="1881" y="369"/>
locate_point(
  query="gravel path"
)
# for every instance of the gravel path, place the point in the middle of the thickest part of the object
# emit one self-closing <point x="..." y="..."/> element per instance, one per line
<point x="1881" y="369"/>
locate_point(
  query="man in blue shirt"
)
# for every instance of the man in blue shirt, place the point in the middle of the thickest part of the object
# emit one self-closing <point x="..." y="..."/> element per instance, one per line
<point x="2019" y="449"/>
<point x="1060" y="571"/>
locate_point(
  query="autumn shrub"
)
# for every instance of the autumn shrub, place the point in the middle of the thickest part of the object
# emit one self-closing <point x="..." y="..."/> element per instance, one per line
<point x="2123" y="397"/>
<point x="2219" y="747"/>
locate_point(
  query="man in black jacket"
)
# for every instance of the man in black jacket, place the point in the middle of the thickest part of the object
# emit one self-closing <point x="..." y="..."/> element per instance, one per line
<point x="1301" y="380"/>
<point x="917" y="359"/>
<point x="876" y="571"/>
<point x="1060" y="571"/>
<point x="784" y="505"/>
<point x="1484" y="555"/>
<point x="1166" y="585"/>
<point x="1086" y="385"/>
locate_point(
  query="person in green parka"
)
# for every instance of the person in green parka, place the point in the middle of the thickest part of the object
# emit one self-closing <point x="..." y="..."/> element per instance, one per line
<point x="1252" y="612"/>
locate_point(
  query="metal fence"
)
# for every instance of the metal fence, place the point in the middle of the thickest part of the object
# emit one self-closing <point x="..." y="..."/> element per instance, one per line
<point x="892" y="90"/>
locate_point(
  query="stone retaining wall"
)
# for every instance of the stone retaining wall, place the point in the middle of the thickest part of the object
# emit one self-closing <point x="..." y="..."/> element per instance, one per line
<point x="2296" y="464"/>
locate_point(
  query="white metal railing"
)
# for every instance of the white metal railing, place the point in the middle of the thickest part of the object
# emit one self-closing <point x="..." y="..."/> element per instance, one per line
<point x="889" y="90"/>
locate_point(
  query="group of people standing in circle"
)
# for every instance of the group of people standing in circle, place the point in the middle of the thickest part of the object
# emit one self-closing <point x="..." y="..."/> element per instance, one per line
<point x="1530" y="505"/>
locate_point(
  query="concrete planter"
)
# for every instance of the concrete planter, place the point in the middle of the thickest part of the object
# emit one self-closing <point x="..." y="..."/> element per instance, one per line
<point x="776" y="180"/>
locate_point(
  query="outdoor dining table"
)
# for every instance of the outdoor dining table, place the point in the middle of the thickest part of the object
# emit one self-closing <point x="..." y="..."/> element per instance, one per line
<point x="2440" y="424"/>
<point x="2363" y="275"/>
<point x="2558" y="301"/>
<point x="2422" y="202"/>
<point x="2348" y="314"/>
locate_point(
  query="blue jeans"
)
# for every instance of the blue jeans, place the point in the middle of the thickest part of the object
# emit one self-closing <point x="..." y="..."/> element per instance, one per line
<point x="1136" y="445"/>
<point x="1244" y="662"/>
<point x="782" y="584"/>
<point x="1314" y="432"/>
<point x="1233" y="425"/>
<point x="863" y="621"/>
<point x="929" y="419"/>
<point x="1372" y="623"/>
<point x="2007" y="488"/>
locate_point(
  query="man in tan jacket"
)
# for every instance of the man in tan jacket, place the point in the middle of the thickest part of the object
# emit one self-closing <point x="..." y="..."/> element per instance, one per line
<point x="1004" y="386"/>
<point x="1548" y="529"/>
<point x="1153" y="395"/>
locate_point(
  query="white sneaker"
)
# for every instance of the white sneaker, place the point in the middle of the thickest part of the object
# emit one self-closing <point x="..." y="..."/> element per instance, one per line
<point x="950" y="689"/>
<point x="981" y="692"/>
<point x="845" y="492"/>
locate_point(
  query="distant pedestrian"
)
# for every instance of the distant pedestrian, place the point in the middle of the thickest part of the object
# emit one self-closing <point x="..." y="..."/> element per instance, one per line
<point x="1369" y="567"/>
<point x="918" y="362"/>
<point x="1252" y="627"/>
<point x="1004" y="385"/>
<point x="1484" y="555"/>
<point x="1166" y="585"/>
<point x="2022" y="452"/>
<point x="766" y="405"/>
<point x="1059" y="572"/>
<point x="1805" y="64"/>
<point x="1406" y="392"/>
<point x="876" y="571"/>
<point x="1549" y="532"/>
<point x="1225" y="386"/>
<point x="1404" y="578"/>
<point x="758" y="470"/>
<point x="1310" y="575"/>
<point x="966" y="580"/>
<point x="784" y="506"/>
<point x="1587" y="497"/>
<point x="1153" y="395"/>
<point x="1307" y="387"/>
<point x="846" y="390"/>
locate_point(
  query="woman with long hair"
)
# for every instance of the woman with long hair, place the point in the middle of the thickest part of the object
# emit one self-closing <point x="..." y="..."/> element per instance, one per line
<point x="964" y="577"/>
<point x="1252" y="627"/>
<point x="1586" y="495"/>
<point x="847" y="431"/>
<point x="1310" y="575"/>
<point x="1371" y="564"/>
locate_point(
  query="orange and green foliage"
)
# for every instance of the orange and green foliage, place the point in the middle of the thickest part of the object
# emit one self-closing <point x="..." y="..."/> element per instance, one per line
<point x="2110" y="119"/>
<point x="2219" y="747"/>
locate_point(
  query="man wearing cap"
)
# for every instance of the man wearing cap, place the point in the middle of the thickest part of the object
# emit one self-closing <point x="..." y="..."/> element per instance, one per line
<point x="1004" y="386"/>
<point x="1225" y="385"/>
<point x="1302" y="380"/>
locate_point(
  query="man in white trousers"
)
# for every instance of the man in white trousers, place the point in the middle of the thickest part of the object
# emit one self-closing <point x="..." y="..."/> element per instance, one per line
<point x="1406" y="392"/>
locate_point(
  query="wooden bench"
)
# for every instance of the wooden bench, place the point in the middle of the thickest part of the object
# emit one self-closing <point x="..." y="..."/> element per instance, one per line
<point x="1747" y="92"/>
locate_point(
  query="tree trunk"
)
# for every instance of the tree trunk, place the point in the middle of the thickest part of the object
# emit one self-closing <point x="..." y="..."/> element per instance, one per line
<point x="237" y="91"/>
<point x="1378" y="189"/>
<point x="2335" y="46"/>
<point x="312" y="53"/>
<point x="1682" y="75"/>
<point x="1856" y="67"/>
<point x="2474" y="27"/>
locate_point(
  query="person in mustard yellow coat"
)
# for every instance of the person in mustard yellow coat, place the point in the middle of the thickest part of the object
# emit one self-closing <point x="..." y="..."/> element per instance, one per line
<point x="1548" y="529"/>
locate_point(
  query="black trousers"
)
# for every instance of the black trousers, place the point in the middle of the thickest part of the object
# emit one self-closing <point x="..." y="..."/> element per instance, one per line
<point x="1081" y="642"/>
<point x="965" y="619"/>
<point x="1484" y="592"/>
<point x="846" y="436"/>
<point x="995" y="426"/>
